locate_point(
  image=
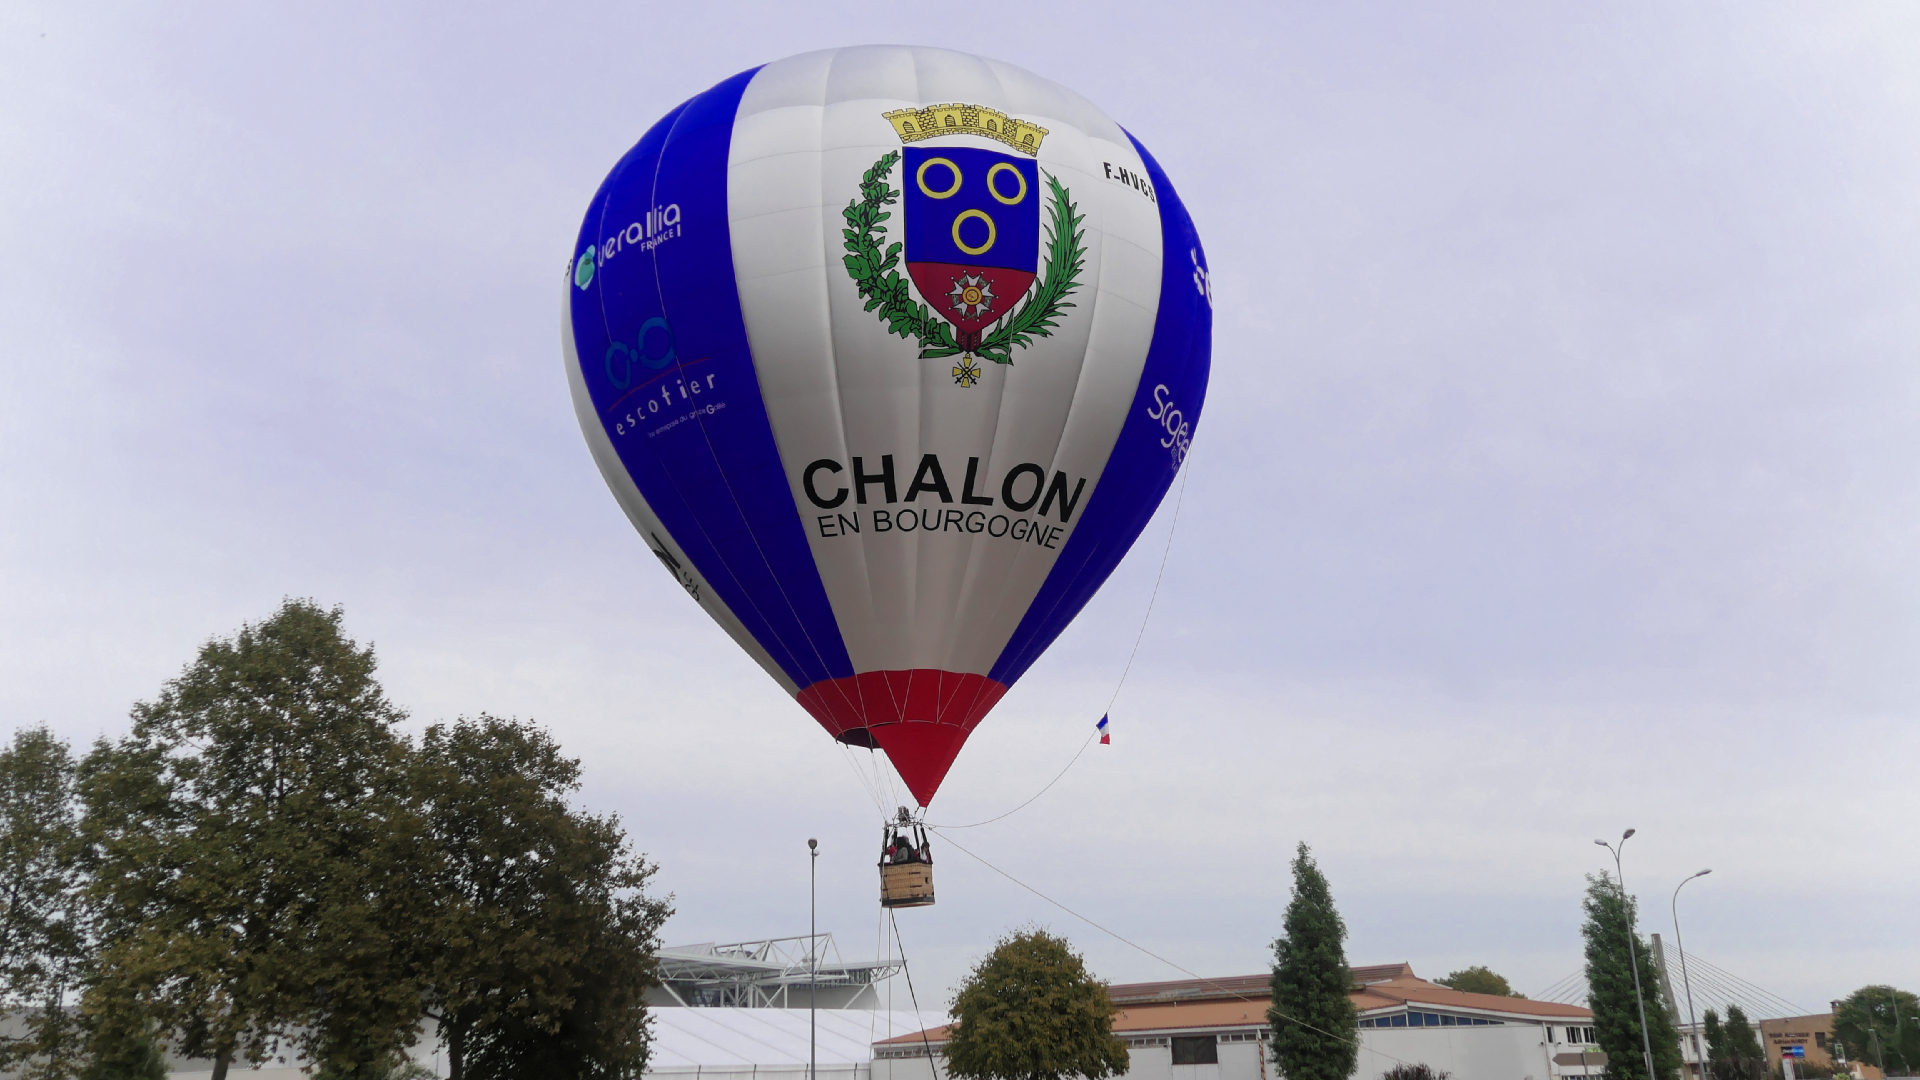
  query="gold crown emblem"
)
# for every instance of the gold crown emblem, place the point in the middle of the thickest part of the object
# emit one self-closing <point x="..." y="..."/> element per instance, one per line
<point x="937" y="120"/>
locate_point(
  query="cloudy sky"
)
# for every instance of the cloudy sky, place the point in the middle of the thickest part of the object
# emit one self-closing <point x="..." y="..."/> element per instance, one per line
<point x="1560" y="471"/>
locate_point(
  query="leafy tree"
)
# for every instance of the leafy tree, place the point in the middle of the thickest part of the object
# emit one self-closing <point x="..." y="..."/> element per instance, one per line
<point x="244" y="871"/>
<point x="122" y="1047"/>
<point x="396" y="1066"/>
<point x="540" y="943"/>
<point x="1610" y="986"/>
<point x="1031" y="1011"/>
<point x="1880" y="1026"/>
<point x="1480" y="979"/>
<point x="603" y="1035"/>
<point x="1316" y="1029"/>
<point x="1417" y="1070"/>
<point x="43" y="933"/>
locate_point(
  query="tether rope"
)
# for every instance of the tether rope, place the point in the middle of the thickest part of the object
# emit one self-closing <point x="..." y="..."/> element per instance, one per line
<point x="1178" y="499"/>
<point x="1352" y="1039"/>
<point x="911" y="996"/>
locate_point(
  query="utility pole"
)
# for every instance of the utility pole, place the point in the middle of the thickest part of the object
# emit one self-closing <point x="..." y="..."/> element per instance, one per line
<point x="1699" y="1057"/>
<point x="1633" y="952"/>
<point x="813" y="961"/>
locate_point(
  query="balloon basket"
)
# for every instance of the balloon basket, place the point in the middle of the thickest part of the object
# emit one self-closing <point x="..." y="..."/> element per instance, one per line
<point x="906" y="886"/>
<point x="906" y="864"/>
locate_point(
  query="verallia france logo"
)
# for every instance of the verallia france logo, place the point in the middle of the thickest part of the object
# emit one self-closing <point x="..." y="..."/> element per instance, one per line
<point x="973" y="237"/>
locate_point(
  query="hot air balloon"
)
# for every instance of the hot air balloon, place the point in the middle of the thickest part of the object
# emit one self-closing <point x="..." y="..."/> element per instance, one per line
<point x="889" y="354"/>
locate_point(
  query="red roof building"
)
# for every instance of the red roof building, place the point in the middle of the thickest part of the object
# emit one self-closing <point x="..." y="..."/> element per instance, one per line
<point x="1215" y="1029"/>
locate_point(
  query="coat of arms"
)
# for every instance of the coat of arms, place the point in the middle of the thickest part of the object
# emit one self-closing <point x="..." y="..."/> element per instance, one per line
<point x="973" y="235"/>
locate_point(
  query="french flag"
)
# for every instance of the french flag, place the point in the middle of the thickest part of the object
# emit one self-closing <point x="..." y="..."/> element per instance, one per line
<point x="1105" y="739"/>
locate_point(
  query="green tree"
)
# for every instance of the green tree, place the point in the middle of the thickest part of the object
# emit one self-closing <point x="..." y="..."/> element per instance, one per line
<point x="1480" y="979"/>
<point x="1031" y="1011"/>
<point x="603" y="1034"/>
<point x="1412" y="1070"/>
<point x="121" y="1046"/>
<point x="44" y="940"/>
<point x="1316" y="1029"/>
<point x="1610" y="987"/>
<point x="1742" y="1039"/>
<point x="1716" y="1036"/>
<point x="1880" y="1026"/>
<point x="541" y="939"/>
<point x="1744" y="1054"/>
<point x="244" y="865"/>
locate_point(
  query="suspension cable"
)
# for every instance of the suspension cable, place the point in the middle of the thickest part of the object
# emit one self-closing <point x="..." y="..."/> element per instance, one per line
<point x="1354" y="1040"/>
<point x="932" y="1063"/>
<point x="1178" y="500"/>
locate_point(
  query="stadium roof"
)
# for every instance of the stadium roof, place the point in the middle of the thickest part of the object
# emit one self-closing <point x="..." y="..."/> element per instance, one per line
<point x="757" y="973"/>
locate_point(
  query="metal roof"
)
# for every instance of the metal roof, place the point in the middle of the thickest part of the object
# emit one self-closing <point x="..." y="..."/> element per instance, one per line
<point x="756" y="973"/>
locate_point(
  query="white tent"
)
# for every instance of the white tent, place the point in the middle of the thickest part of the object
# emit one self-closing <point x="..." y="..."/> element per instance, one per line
<point x="741" y="1044"/>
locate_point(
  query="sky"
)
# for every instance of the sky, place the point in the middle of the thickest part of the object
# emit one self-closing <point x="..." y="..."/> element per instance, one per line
<point x="1560" y="471"/>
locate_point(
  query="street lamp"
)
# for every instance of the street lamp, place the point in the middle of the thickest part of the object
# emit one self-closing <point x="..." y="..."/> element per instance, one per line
<point x="813" y="960"/>
<point x="1633" y="953"/>
<point x="1699" y="1059"/>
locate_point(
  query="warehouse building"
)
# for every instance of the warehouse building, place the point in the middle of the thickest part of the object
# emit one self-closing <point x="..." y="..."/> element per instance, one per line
<point x="1216" y="1029"/>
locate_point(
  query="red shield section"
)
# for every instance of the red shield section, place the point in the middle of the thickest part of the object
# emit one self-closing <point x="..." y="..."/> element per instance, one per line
<point x="972" y="298"/>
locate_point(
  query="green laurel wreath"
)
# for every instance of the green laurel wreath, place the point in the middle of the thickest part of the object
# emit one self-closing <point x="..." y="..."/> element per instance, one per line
<point x="880" y="282"/>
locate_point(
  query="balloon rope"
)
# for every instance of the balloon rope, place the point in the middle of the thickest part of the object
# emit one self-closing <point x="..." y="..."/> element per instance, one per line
<point x="1138" y="638"/>
<point x="932" y="1063"/>
<point x="1031" y="798"/>
<point x="1168" y="550"/>
<point x="1355" y="1039"/>
<point x="857" y="776"/>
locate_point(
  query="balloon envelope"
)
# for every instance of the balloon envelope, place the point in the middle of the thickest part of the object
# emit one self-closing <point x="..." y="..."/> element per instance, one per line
<point x="889" y="354"/>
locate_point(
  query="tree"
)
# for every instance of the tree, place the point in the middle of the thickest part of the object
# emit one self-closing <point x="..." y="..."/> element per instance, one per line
<point x="43" y="934"/>
<point x="121" y="1045"/>
<point x="1480" y="979"/>
<point x="244" y="873"/>
<point x="1733" y="1049"/>
<point x="1416" y="1070"/>
<point x="540" y="943"/>
<point x="1880" y="1026"/>
<point x="1610" y="987"/>
<point x="603" y="1034"/>
<point x="1716" y="1036"/>
<point x="1316" y="1029"/>
<point x="1745" y="1057"/>
<point x="1030" y="1011"/>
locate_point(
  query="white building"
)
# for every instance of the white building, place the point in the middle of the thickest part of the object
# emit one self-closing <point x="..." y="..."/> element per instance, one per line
<point x="1216" y="1029"/>
<point x="739" y="1011"/>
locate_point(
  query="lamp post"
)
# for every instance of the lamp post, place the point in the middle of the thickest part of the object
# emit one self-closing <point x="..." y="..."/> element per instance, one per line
<point x="1633" y="952"/>
<point x="813" y="960"/>
<point x="1699" y="1059"/>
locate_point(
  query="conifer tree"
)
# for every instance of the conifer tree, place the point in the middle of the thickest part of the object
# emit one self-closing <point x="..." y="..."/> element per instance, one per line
<point x="1741" y="1057"/>
<point x="1316" y="1029"/>
<point x="1742" y="1040"/>
<point x="1716" y="1036"/>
